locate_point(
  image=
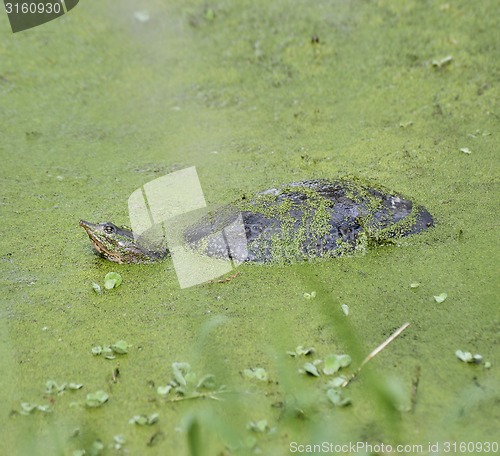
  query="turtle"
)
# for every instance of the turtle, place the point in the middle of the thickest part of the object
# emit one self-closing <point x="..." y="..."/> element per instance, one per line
<point x="298" y="221"/>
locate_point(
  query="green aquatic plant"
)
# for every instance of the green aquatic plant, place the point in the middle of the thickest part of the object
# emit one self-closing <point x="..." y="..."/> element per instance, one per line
<point x="96" y="399"/>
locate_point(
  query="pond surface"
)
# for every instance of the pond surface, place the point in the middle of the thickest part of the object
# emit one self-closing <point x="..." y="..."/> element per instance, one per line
<point x="113" y="95"/>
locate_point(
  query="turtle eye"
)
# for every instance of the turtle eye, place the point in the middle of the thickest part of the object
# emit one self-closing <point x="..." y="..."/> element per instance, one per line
<point x="109" y="229"/>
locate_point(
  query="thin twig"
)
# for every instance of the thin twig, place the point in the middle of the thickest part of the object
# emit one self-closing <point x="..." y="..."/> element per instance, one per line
<point x="375" y="353"/>
<point x="227" y="279"/>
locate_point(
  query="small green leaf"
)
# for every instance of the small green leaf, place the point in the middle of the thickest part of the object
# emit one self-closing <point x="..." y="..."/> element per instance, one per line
<point x="164" y="390"/>
<point x="96" y="399"/>
<point x="310" y="295"/>
<point x="97" y="350"/>
<point x="345" y="309"/>
<point x="466" y="357"/>
<point x="207" y="382"/>
<point x="190" y="378"/>
<point x="311" y="369"/>
<point x="414" y="285"/>
<point x="44" y="408"/>
<point x="112" y="280"/>
<point x="109" y="284"/>
<point x="96" y="288"/>
<point x="477" y="358"/>
<point x="180" y="370"/>
<point x="96" y="448"/>
<point x="336" y="397"/>
<point x="258" y="426"/>
<point x="465" y="150"/>
<point x="52" y="387"/>
<point x="27" y="408"/>
<point x="301" y="351"/>
<point x="75" y="386"/>
<point x="440" y="298"/>
<point x="119" y="441"/>
<point x="334" y="363"/>
<point x="143" y="420"/>
<point x="336" y="382"/>
<point x="256" y="372"/>
<point x="120" y="347"/>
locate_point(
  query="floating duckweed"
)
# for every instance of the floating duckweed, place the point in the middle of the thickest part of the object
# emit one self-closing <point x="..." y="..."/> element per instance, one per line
<point x="164" y="390"/>
<point x="120" y="347"/>
<point x="52" y="387"/>
<point x="96" y="399"/>
<point x="182" y="373"/>
<point x="336" y="397"/>
<point x="337" y="382"/>
<point x="441" y="297"/>
<point x="27" y="408"/>
<point x="301" y="351"/>
<point x="468" y="357"/>
<point x="185" y="384"/>
<point x="143" y="420"/>
<point x="112" y="280"/>
<point x="311" y="369"/>
<point x="465" y="150"/>
<point x="310" y="295"/>
<point x="119" y="441"/>
<point x="95" y="449"/>
<point x="97" y="288"/>
<point x="414" y="285"/>
<point x="333" y="363"/>
<point x="75" y="386"/>
<point x="258" y="426"/>
<point x="256" y="372"/>
<point x="207" y="382"/>
<point x="345" y="309"/>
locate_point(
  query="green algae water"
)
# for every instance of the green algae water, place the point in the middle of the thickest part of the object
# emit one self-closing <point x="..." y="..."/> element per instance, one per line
<point x="112" y="95"/>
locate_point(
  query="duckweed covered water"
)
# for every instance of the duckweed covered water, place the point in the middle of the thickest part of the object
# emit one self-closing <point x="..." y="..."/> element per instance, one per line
<point x="115" y="94"/>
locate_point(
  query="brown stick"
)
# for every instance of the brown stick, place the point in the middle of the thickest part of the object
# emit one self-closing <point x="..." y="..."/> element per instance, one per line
<point x="375" y="353"/>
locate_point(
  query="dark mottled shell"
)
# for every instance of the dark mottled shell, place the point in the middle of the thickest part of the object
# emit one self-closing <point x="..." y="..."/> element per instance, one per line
<point x="307" y="219"/>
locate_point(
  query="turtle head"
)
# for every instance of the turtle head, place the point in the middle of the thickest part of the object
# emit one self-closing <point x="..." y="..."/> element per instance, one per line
<point x="116" y="244"/>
